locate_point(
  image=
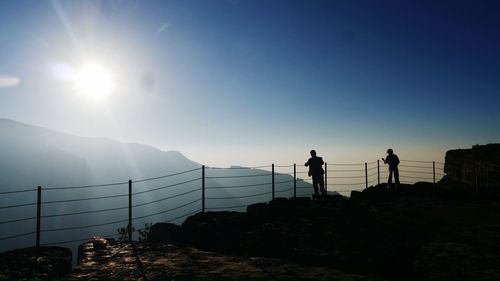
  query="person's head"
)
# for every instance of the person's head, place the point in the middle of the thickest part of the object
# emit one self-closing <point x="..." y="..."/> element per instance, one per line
<point x="389" y="151"/>
<point x="313" y="153"/>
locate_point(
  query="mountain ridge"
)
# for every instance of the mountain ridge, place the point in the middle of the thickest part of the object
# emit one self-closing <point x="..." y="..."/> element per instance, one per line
<point x="34" y="143"/>
<point x="72" y="170"/>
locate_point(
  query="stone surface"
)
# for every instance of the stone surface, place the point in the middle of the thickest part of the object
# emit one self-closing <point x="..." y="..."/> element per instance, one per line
<point x="21" y="264"/>
<point x="163" y="261"/>
<point x="418" y="232"/>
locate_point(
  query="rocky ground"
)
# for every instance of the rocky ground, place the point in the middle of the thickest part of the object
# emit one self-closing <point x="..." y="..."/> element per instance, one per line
<point x="52" y="263"/>
<point x="163" y="261"/>
<point x="418" y="232"/>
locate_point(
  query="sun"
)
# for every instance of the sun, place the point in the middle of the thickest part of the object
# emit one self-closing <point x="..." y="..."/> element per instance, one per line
<point x="94" y="82"/>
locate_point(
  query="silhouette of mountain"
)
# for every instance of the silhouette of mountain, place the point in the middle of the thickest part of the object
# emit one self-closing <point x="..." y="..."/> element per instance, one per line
<point x="44" y="157"/>
<point x="34" y="156"/>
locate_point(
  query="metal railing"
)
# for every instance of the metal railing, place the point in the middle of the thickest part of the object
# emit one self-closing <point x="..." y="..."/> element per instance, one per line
<point x="207" y="189"/>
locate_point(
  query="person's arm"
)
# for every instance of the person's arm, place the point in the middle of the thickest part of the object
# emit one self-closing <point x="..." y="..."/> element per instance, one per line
<point x="307" y="163"/>
<point x="385" y="162"/>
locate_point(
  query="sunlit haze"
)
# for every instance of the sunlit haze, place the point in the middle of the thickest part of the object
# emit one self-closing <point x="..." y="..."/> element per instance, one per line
<point x="257" y="82"/>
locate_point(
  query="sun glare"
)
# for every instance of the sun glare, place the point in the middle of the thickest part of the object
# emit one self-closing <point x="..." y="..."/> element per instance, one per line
<point x="94" y="82"/>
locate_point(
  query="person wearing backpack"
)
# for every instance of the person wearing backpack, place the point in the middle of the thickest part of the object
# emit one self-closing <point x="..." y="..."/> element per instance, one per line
<point x="393" y="161"/>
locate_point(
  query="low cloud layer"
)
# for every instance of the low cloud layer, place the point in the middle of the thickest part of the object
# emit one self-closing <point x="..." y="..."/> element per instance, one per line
<point x="9" y="81"/>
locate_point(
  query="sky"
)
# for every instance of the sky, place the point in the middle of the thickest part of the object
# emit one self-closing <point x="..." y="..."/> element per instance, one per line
<point x="258" y="82"/>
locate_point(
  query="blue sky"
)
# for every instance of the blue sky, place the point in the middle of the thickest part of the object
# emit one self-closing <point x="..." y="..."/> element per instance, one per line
<point x="252" y="82"/>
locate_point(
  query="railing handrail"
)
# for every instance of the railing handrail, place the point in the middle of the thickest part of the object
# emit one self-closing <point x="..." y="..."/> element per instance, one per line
<point x="336" y="168"/>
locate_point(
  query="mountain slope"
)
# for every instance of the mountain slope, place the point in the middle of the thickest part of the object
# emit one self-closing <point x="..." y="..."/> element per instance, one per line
<point x="37" y="156"/>
<point x="33" y="156"/>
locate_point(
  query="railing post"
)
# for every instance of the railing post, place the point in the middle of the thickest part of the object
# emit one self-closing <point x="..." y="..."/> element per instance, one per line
<point x="434" y="172"/>
<point x="476" y="177"/>
<point x="38" y="218"/>
<point x="203" y="188"/>
<point x="378" y="171"/>
<point x="487" y="167"/>
<point x="130" y="210"/>
<point x="366" y="175"/>
<point x="326" y="178"/>
<point x="294" y="180"/>
<point x="273" y="179"/>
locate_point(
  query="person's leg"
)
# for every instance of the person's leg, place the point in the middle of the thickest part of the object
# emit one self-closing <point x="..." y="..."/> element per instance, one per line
<point x="315" y="185"/>
<point x="389" y="180"/>
<point x="396" y="176"/>
<point x="321" y="181"/>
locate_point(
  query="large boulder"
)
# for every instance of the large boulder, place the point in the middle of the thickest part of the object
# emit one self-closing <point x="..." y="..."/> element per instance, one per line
<point x="258" y="210"/>
<point x="165" y="232"/>
<point x="221" y="230"/>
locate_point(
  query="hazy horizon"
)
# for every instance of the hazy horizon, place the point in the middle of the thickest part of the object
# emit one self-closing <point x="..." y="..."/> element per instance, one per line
<point x="340" y="155"/>
<point x="257" y="82"/>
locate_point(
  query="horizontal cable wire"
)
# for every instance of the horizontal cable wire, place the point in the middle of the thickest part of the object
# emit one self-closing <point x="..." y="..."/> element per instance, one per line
<point x="237" y="186"/>
<point x="238" y="197"/>
<point x="166" y="176"/>
<point x="280" y="182"/>
<point x="283" y="166"/>
<point x="420" y="178"/>
<point x="346" y="164"/>
<point x="185" y="215"/>
<point x="241" y="168"/>
<point x="347" y="177"/>
<point x="357" y="183"/>
<point x="17" y="220"/>
<point x="240" y="176"/>
<point x="281" y="174"/>
<point x="84" y="186"/>
<point x="84" y="199"/>
<point x="17" y="235"/>
<point x="417" y="172"/>
<point x="84" y="212"/>
<point x="338" y="171"/>
<point x="169" y="210"/>
<point x="119" y="183"/>
<point x="18" y="191"/>
<point x="416" y="161"/>
<point x="18" y="205"/>
<point x="110" y="235"/>
<point x="166" y="198"/>
<point x="166" y="186"/>
<point x="79" y="240"/>
<point x="351" y="190"/>
<point x="286" y="190"/>
<point x="412" y="166"/>
<point x="229" y="207"/>
<point x="84" y="226"/>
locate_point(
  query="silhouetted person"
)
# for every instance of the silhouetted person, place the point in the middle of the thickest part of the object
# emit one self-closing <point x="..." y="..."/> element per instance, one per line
<point x="393" y="161"/>
<point x="315" y="165"/>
